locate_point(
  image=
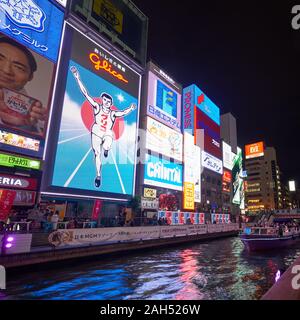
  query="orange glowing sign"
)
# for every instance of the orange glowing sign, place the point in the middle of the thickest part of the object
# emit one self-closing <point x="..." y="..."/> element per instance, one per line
<point x="189" y="196"/>
<point x="254" y="150"/>
<point x="227" y="176"/>
<point x="103" y="64"/>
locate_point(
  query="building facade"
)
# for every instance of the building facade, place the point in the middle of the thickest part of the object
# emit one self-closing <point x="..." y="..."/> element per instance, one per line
<point x="263" y="178"/>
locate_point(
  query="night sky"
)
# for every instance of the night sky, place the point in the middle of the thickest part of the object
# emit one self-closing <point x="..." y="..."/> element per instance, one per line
<point x="244" y="55"/>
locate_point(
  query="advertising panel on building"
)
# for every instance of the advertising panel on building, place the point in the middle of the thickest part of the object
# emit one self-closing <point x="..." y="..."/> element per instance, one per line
<point x="212" y="163"/>
<point x="23" y="189"/>
<point x="30" y="38"/>
<point x="162" y="139"/>
<point x="194" y="97"/>
<point x="227" y="158"/>
<point x="192" y="165"/>
<point x="211" y="128"/>
<point x="164" y="98"/>
<point x="226" y="181"/>
<point x="188" y="110"/>
<point x="119" y="20"/>
<point x="163" y="173"/>
<point x="254" y="150"/>
<point x="212" y="146"/>
<point x="13" y="161"/>
<point x="95" y="152"/>
<point x="236" y="179"/>
<point x="189" y="196"/>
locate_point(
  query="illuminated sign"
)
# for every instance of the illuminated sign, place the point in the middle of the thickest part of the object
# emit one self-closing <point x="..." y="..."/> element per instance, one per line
<point x="36" y="24"/>
<point x="24" y="103"/>
<point x="227" y="176"/>
<point x="147" y="203"/>
<point x="292" y="186"/>
<point x="120" y="21"/>
<point x="9" y="181"/>
<point x="197" y="98"/>
<point x="212" y="163"/>
<point x="104" y="65"/>
<point x="163" y="98"/>
<point x="227" y="161"/>
<point x="254" y="150"/>
<point x="192" y="165"/>
<point x="188" y="196"/>
<point x="237" y="181"/>
<point x="226" y="181"/>
<point x="24" y="198"/>
<point x="188" y="109"/>
<point x="150" y="193"/>
<point x="202" y="121"/>
<point x="212" y="146"/>
<point x="18" y="141"/>
<point x="110" y="13"/>
<point x="164" y="140"/>
<point x="162" y="173"/>
<point x="96" y="155"/>
<point x="8" y="160"/>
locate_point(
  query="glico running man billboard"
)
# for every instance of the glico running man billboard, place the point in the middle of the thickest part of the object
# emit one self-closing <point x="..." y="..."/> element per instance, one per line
<point x="97" y="136"/>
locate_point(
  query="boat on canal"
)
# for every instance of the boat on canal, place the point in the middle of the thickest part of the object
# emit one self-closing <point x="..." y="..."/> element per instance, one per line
<point x="267" y="238"/>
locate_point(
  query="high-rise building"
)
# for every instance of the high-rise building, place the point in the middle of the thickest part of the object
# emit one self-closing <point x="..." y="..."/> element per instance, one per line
<point x="263" y="178"/>
<point x="230" y="147"/>
<point x="229" y="130"/>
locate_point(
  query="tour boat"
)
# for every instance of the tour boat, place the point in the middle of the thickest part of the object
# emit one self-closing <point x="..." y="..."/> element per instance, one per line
<point x="266" y="238"/>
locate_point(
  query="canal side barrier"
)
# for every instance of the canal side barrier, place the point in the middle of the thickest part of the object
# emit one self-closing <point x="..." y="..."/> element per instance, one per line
<point x="288" y="285"/>
<point x="79" y="243"/>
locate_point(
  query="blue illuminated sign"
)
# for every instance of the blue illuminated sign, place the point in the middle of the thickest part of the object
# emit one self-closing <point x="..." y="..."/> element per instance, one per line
<point x="206" y="105"/>
<point x="166" y="99"/>
<point x="36" y="24"/>
<point x="193" y="96"/>
<point x="162" y="173"/>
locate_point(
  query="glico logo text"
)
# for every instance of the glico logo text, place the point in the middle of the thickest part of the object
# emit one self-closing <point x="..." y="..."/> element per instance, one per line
<point x="104" y="65"/>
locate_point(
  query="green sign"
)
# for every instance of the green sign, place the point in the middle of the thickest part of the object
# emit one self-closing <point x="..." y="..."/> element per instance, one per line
<point x="8" y="160"/>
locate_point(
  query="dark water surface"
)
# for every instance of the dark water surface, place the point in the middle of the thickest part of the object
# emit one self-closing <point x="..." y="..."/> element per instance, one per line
<point x="219" y="269"/>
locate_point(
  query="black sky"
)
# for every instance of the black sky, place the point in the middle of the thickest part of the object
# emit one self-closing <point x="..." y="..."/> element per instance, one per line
<point x="244" y="55"/>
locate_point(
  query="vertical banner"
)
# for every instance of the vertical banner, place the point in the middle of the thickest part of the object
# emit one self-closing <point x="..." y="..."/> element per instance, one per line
<point x="175" y="218"/>
<point x="196" y="218"/>
<point x="213" y="218"/>
<point x="192" y="217"/>
<point x="201" y="218"/>
<point x="181" y="218"/>
<point x="7" y="198"/>
<point x="187" y="216"/>
<point x="189" y="196"/>
<point x="97" y="209"/>
<point x="169" y="217"/>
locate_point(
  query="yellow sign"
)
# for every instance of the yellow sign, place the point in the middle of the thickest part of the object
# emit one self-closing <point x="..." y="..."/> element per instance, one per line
<point x="111" y="14"/>
<point x="189" y="196"/>
<point x="149" y="193"/>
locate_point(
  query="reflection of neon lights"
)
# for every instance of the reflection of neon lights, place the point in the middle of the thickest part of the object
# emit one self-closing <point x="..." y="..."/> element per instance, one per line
<point x="278" y="274"/>
<point x="98" y="64"/>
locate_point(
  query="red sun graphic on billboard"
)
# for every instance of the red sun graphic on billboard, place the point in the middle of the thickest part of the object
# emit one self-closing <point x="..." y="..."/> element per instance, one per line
<point x="87" y="116"/>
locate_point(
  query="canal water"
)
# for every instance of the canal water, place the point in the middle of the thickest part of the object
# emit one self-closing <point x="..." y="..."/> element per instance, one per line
<point x="219" y="269"/>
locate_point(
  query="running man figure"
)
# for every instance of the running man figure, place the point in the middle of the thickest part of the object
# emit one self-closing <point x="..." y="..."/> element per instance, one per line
<point x="104" y="120"/>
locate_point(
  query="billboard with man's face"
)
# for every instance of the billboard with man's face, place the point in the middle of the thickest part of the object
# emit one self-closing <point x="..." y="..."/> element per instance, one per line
<point x="97" y="135"/>
<point x="30" y="34"/>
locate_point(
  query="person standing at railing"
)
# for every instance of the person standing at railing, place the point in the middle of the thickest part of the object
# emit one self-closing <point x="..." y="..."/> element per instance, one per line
<point x="55" y="219"/>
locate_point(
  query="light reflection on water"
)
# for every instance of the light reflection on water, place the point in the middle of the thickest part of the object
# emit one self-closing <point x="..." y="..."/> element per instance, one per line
<point x="219" y="269"/>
